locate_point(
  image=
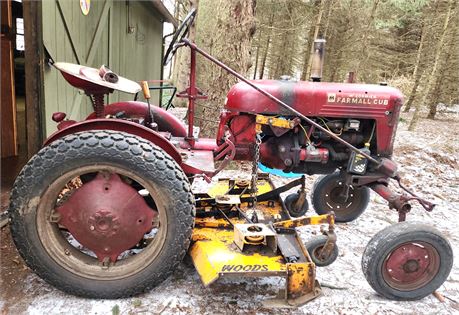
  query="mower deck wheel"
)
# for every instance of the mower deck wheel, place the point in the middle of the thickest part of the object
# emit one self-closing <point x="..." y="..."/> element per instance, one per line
<point x="407" y="261"/>
<point x="315" y="245"/>
<point x="293" y="210"/>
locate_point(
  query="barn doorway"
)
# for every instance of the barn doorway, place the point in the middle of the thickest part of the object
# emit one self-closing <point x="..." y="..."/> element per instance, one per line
<point x="13" y="118"/>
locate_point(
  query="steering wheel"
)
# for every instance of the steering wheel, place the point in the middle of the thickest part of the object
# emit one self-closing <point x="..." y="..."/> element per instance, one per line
<point x="181" y="32"/>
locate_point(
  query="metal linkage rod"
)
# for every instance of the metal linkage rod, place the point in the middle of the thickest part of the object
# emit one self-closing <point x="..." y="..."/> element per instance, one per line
<point x="277" y="101"/>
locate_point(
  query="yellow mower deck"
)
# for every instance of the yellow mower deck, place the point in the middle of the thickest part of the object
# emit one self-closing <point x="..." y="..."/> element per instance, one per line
<point x="226" y="244"/>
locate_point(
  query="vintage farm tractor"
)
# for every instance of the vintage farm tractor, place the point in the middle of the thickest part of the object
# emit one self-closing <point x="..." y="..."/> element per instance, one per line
<point x="105" y="208"/>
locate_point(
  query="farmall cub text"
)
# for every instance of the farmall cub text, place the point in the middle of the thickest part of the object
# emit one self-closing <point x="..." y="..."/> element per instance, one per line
<point x="105" y="208"/>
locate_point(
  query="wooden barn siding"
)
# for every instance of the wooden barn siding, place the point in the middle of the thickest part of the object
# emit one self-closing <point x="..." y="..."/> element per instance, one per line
<point x="99" y="38"/>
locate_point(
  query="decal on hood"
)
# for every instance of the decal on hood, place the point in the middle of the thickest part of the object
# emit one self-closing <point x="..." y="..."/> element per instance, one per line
<point x="356" y="98"/>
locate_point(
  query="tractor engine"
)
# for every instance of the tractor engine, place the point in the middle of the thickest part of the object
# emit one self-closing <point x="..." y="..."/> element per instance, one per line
<point x="309" y="151"/>
<point x="364" y="115"/>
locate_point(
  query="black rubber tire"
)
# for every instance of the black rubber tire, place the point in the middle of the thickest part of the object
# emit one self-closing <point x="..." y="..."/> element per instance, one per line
<point x="289" y="204"/>
<point x="390" y="238"/>
<point x="122" y="150"/>
<point x="314" y="245"/>
<point x="345" y="213"/>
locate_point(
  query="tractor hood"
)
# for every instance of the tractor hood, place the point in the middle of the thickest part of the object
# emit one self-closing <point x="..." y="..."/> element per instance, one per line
<point x="316" y="98"/>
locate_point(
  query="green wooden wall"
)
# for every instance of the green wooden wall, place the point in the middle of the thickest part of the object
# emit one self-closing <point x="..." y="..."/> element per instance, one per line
<point x="99" y="38"/>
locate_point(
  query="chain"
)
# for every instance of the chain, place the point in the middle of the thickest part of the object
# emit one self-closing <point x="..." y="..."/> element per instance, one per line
<point x="256" y="158"/>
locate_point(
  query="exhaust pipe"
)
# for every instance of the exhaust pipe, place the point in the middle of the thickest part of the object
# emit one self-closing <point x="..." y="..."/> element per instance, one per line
<point x="317" y="60"/>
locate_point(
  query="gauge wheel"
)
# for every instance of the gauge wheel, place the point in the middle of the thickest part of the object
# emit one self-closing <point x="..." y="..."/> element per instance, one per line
<point x="121" y="231"/>
<point x="326" y="197"/>
<point x="407" y="261"/>
<point x="315" y="246"/>
<point x="292" y="208"/>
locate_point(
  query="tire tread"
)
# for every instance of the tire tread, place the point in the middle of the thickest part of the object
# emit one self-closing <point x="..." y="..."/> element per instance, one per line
<point x="111" y="145"/>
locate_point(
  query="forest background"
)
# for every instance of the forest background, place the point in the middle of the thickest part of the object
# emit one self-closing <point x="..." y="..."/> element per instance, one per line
<point x="409" y="44"/>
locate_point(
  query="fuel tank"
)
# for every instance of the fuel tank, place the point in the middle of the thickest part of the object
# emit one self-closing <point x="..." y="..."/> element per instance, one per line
<point x="323" y="99"/>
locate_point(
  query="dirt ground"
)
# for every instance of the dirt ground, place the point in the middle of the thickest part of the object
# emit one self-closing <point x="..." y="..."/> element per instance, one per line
<point x="429" y="161"/>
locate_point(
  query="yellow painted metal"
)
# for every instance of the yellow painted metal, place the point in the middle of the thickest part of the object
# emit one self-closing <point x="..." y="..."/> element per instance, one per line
<point x="300" y="279"/>
<point x="211" y="223"/>
<point x="254" y="234"/>
<point x="275" y="122"/>
<point x="215" y="254"/>
<point x="221" y="187"/>
<point x="258" y="128"/>
<point x="312" y="220"/>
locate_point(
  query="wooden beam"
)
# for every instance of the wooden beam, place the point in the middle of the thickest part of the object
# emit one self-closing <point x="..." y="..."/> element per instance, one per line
<point x="34" y="68"/>
<point x="8" y="108"/>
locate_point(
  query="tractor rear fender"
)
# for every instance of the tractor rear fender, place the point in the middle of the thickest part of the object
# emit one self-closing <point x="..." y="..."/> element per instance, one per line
<point x="165" y="120"/>
<point x="118" y="125"/>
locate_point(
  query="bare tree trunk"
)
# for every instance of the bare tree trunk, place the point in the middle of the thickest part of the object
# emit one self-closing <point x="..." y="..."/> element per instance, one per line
<point x="227" y="30"/>
<point x="364" y="53"/>
<point x="265" y="56"/>
<point x="282" y="60"/>
<point x="434" y="73"/>
<point x="306" y="54"/>
<point x="266" y="51"/>
<point x="256" y="62"/>
<point x="334" y="72"/>
<point x="336" y="45"/>
<point x="327" y="23"/>
<point x="435" y="94"/>
<point x="416" y="72"/>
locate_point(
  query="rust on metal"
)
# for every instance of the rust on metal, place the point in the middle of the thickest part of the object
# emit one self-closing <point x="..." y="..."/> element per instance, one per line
<point x="411" y="266"/>
<point x="230" y="245"/>
<point x="106" y="216"/>
<point x="301" y="221"/>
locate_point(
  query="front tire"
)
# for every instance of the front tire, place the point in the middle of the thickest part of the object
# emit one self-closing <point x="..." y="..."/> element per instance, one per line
<point x="326" y="198"/>
<point x="45" y="244"/>
<point x="407" y="261"/>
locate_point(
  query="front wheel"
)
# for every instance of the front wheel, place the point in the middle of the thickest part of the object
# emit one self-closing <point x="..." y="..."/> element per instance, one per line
<point x="327" y="196"/>
<point x="102" y="214"/>
<point x="407" y="261"/>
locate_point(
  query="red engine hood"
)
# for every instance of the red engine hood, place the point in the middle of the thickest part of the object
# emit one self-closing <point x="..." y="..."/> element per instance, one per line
<point x="315" y="98"/>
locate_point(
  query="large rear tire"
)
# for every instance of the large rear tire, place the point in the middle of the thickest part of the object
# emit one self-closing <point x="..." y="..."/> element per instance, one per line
<point x="47" y="246"/>
<point x="326" y="198"/>
<point x="407" y="261"/>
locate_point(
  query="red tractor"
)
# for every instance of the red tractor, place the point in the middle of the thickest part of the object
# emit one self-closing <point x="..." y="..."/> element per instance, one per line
<point x="119" y="180"/>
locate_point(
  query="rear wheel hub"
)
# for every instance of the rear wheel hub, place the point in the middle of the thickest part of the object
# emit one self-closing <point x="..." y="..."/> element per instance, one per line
<point x="107" y="216"/>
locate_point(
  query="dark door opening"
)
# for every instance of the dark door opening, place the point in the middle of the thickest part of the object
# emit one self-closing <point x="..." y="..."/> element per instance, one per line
<point x="14" y="129"/>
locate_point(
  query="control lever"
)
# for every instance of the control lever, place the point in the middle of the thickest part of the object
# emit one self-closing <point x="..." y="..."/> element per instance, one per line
<point x="146" y="94"/>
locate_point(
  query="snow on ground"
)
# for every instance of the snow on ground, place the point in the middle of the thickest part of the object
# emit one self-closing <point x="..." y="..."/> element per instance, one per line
<point x="429" y="162"/>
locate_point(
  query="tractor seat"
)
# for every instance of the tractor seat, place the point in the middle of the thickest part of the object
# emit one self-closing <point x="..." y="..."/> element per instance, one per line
<point x="95" y="81"/>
